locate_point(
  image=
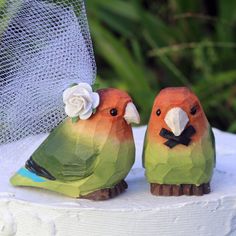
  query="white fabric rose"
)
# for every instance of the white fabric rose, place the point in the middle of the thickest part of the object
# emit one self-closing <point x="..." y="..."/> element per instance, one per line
<point x="80" y="100"/>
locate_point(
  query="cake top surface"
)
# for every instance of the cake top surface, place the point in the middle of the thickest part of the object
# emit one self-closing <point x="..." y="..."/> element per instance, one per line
<point x="137" y="197"/>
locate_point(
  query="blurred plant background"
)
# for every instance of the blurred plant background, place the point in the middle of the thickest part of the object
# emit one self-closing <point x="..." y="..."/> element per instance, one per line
<point x="142" y="46"/>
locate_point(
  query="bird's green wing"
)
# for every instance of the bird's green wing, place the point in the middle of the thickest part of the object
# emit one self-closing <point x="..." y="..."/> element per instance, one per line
<point x="212" y="136"/>
<point x="66" y="155"/>
<point x="144" y="148"/>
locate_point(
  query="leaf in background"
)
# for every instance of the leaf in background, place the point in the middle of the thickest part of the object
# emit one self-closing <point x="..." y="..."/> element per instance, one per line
<point x="6" y="13"/>
<point x="142" y="46"/>
<point x="132" y="74"/>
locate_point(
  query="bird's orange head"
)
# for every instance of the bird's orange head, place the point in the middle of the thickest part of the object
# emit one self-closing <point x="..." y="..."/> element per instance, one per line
<point x="113" y="116"/>
<point x="116" y="105"/>
<point x="176" y="111"/>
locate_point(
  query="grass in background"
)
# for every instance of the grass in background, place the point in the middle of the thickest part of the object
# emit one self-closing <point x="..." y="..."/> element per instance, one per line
<point x="143" y="46"/>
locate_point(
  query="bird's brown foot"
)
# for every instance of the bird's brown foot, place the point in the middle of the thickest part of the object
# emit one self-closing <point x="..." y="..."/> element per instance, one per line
<point x="107" y="193"/>
<point x="178" y="190"/>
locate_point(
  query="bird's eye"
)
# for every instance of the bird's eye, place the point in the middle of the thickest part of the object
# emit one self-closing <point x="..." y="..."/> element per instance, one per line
<point x="193" y="110"/>
<point x="158" y="112"/>
<point x="113" y="112"/>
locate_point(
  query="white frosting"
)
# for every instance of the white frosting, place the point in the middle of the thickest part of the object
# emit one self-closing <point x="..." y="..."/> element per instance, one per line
<point x="28" y="211"/>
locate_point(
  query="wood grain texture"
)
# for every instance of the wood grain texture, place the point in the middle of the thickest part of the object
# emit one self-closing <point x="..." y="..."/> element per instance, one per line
<point x="105" y="194"/>
<point x="178" y="190"/>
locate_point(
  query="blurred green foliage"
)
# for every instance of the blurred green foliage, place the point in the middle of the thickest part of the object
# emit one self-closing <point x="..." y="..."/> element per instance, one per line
<point x="6" y="13"/>
<point x="143" y="46"/>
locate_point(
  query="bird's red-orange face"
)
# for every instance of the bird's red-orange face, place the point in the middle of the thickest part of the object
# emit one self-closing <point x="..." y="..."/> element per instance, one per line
<point x="113" y="104"/>
<point x="114" y="114"/>
<point x="176" y="109"/>
<point x="116" y="105"/>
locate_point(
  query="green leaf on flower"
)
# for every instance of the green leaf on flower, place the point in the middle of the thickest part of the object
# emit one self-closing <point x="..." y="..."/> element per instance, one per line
<point x="72" y="85"/>
<point x="74" y="119"/>
<point x="94" y="110"/>
<point x="95" y="86"/>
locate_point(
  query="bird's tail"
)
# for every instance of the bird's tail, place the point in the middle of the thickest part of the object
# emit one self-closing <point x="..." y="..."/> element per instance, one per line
<point x="24" y="177"/>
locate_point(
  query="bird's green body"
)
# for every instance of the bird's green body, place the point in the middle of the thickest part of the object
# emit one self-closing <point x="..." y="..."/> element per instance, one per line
<point x="82" y="158"/>
<point x="181" y="165"/>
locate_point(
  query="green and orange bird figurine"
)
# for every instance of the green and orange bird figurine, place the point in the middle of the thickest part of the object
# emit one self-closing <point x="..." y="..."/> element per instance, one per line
<point x="179" y="147"/>
<point x="90" y="153"/>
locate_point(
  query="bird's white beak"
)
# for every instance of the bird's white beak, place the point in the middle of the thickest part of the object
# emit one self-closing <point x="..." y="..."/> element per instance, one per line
<point x="131" y="114"/>
<point x="176" y="119"/>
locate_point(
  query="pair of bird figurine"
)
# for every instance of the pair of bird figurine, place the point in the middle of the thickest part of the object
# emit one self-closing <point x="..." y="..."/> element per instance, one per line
<point x="89" y="154"/>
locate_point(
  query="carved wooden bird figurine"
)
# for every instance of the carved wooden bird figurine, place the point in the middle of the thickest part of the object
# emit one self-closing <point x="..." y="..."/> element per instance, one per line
<point x="88" y="157"/>
<point x="179" y="148"/>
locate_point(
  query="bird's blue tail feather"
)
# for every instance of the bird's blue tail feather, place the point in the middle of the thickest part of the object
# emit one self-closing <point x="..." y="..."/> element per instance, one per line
<point x="30" y="175"/>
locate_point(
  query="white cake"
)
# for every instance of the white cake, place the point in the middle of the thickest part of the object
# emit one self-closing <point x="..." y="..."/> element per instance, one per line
<point x="27" y="211"/>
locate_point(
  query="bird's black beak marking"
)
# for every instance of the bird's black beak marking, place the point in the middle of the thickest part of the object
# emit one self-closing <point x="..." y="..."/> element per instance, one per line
<point x="184" y="138"/>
